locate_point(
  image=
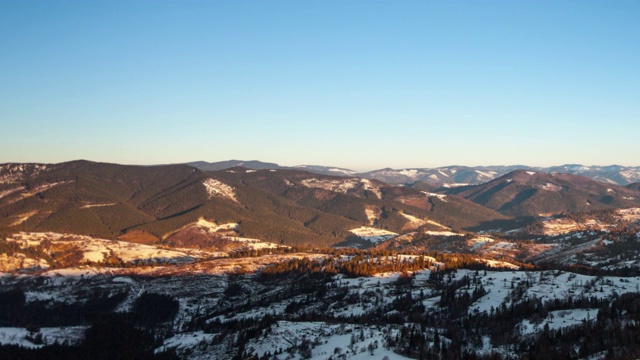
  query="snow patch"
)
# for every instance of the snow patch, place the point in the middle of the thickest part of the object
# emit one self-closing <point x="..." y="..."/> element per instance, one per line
<point x="371" y="215"/>
<point x="479" y="242"/>
<point x="413" y="221"/>
<point x="8" y="192"/>
<point x="373" y="235"/>
<point x="217" y="188"/>
<point x="23" y="217"/>
<point x="370" y="187"/>
<point x="409" y="173"/>
<point x="49" y="335"/>
<point x="98" y="250"/>
<point x="439" y="196"/>
<point x="341" y="186"/>
<point x="452" y="185"/>
<point x="96" y="205"/>
<point x="500" y="264"/>
<point x="437" y="224"/>
<point x="550" y="187"/>
<point x="214" y="227"/>
<point x="558" y="319"/>
<point x="488" y="175"/>
<point x="185" y="340"/>
<point x="442" y="233"/>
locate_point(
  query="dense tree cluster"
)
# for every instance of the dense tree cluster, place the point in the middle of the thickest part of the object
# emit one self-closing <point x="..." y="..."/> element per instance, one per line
<point x="110" y="335"/>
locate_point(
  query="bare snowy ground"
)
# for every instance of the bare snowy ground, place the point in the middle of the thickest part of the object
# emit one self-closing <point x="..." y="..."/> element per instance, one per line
<point x="373" y="235"/>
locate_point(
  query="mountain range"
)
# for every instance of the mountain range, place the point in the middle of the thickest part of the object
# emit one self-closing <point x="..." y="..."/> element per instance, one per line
<point x="178" y="205"/>
<point x="447" y="175"/>
<point x="182" y="206"/>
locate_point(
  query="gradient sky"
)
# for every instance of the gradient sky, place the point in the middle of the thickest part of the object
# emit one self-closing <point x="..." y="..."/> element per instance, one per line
<point x="357" y="84"/>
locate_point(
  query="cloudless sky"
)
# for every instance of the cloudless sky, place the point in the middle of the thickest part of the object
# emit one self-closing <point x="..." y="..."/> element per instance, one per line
<point x="357" y="84"/>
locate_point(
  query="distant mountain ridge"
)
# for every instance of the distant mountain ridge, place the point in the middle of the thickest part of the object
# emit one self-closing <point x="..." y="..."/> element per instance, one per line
<point x="447" y="176"/>
<point x="260" y="165"/>
<point x="223" y="165"/>
<point x="529" y="193"/>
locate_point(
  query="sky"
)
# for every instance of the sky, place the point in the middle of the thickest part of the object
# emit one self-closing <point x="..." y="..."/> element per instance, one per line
<point x="356" y="84"/>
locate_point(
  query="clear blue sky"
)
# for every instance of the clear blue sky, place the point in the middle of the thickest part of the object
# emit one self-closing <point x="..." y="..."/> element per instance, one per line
<point x="358" y="84"/>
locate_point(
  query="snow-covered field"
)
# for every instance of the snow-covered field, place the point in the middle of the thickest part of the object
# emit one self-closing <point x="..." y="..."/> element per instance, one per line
<point x="373" y="235"/>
